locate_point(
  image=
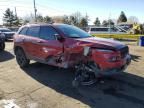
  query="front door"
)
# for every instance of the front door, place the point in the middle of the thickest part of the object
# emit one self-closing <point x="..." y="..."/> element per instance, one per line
<point x="48" y="46"/>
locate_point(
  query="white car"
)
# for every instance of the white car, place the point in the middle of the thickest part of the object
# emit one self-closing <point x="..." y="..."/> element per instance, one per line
<point x="106" y="30"/>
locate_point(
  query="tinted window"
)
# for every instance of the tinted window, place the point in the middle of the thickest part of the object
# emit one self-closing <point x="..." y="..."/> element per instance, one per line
<point x="47" y="33"/>
<point x="99" y="29"/>
<point x="33" y="31"/>
<point x="23" y="31"/>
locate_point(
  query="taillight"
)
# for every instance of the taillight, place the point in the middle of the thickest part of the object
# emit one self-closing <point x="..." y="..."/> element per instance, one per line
<point x="114" y="58"/>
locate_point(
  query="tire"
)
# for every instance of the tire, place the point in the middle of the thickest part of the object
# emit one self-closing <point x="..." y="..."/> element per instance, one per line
<point x="2" y="46"/>
<point x="21" y="58"/>
<point x="85" y="82"/>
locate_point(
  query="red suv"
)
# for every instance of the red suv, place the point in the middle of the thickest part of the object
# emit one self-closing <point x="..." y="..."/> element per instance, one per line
<point x="67" y="46"/>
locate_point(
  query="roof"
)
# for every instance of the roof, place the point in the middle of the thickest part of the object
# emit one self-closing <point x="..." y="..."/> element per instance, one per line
<point x="4" y="29"/>
<point x="42" y="24"/>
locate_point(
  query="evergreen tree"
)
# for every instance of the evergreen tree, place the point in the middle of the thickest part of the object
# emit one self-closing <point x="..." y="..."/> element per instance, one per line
<point x="110" y="22"/>
<point x="105" y="23"/>
<point x="9" y="18"/>
<point x="122" y="17"/>
<point x="39" y="18"/>
<point x="83" y="22"/>
<point x="17" y="21"/>
<point x="48" y="19"/>
<point x="97" y="22"/>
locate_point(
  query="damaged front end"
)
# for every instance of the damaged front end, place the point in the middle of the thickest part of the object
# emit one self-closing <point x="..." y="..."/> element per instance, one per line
<point x="85" y="70"/>
<point x="93" y="65"/>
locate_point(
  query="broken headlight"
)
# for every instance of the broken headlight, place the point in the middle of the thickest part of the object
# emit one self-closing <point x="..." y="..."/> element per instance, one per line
<point x="86" y="51"/>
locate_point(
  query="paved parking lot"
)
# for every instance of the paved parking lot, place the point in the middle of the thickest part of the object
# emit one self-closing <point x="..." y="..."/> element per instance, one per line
<point x="43" y="86"/>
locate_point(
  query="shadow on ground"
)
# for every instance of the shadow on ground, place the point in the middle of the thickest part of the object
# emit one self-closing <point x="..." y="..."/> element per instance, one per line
<point x="5" y="56"/>
<point x="135" y="58"/>
<point x="126" y="40"/>
<point x="125" y="91"/>
<point x="9" y="40"/>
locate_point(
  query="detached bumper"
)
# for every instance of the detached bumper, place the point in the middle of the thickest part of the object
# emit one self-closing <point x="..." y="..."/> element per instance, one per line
<point x="118" y="70"/>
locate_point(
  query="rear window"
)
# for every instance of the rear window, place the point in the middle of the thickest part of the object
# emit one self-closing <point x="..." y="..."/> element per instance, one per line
<point x="23" y="31"/>
<point x="33" y="31"/>
<point x="99" y="29"/>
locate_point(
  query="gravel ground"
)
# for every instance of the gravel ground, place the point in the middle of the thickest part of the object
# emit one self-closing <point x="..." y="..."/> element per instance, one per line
<point x="43" y="86"/>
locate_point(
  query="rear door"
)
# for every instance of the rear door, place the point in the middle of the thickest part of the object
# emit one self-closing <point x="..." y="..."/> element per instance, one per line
<point x="31" y="40"/>
<point x="21" y="38"/>
<point x="48" y="45"/>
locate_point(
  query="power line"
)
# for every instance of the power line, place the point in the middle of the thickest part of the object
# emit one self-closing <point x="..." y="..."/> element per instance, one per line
<point x="41" y="5"/>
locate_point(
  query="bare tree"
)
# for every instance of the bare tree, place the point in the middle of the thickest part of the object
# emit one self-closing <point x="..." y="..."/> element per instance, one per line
<point x="57" y="19"/>
<point x="133" y="19"/>
<point x="76" y="18"/>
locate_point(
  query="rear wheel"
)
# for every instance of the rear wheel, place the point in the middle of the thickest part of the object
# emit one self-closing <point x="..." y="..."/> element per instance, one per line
<point x="21" y="58"/>
<point x="2" y="46"/>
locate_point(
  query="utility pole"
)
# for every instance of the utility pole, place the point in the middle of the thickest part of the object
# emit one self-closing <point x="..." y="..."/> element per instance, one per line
<point x="109" y="20"/>
<point x="35" y="10"/>
<point x="15" y="12"/>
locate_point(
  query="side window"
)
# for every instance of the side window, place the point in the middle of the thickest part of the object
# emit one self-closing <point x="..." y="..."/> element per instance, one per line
<point x="47" y="33"/>
<point x="33" y="31"/>
<point x="104" y="29"/>
<point x="23" y="31"/>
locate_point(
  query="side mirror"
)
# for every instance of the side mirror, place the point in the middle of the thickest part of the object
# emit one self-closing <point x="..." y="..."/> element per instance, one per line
<point x="59" y="38"/>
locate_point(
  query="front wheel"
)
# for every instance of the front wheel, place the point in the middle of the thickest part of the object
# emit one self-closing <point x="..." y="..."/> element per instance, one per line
<point x="83" y="76"/>
<point x="21" y="58"/>
<point x="2" y="46"/>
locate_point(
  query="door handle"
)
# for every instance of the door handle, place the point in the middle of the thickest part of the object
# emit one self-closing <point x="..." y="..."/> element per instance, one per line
<point x="39" y="41"/>
<point x="23" y="39"/>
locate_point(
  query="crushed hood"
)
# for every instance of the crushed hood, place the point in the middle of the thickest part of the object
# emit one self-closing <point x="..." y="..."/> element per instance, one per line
<point x="101" y="43"/>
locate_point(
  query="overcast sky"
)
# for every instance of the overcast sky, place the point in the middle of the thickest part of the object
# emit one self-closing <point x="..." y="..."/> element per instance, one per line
<point x="94" y="8"/>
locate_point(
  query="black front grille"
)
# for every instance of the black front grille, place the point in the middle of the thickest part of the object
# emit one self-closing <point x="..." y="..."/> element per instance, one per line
<point x="124" y="51"/>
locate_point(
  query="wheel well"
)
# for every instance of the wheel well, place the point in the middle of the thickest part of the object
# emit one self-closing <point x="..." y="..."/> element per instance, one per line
<point x="16" y="48"/>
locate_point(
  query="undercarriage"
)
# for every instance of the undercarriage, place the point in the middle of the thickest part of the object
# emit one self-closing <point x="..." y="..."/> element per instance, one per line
<point x="89" y="72"/>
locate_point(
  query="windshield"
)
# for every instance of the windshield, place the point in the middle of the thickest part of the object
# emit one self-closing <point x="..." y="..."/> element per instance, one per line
<point x="73" y="32"/>
<point x="5" y="30"/>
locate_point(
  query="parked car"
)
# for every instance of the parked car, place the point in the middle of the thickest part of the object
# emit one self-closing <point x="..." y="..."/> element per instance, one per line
<point x="14" y="29"/>
<point x="67" y="46"/>
<point x="2" y="41"/>
<point x="106" y="30"/>
<point x="7" y="32"/>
